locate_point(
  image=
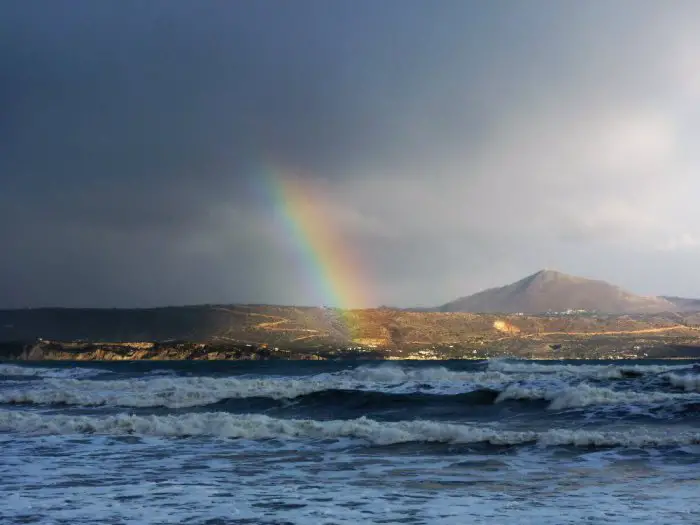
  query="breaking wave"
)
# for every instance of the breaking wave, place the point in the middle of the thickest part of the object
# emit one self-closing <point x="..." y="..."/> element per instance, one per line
<point x="690" y="382"/>
<point x="590" y="371"/>
<point x="170" y="392"/>
<point x="193" y="393"/>
<point x="332" y="391"/>
<point x="391" y="373"/>
<point x="261" y="427"/>
<point x="584" y="395"/>
<point x="43" y="372"/>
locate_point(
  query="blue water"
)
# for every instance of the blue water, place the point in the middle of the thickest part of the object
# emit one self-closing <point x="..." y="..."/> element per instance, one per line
<point x="349" y="442"/>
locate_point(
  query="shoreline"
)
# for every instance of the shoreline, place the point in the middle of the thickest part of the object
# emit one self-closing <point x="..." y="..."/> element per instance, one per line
<point x="348" y="360"/>
<point x="614" y="349"/>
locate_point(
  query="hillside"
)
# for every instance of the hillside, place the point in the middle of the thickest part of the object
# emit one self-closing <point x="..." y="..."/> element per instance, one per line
<point x="247" y="323"/>
<point x="551" y="291"/>
<point x="683" y="304"/>
<point x="309" y="326"/>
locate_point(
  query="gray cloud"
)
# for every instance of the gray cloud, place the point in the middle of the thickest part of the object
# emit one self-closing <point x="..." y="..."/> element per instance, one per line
<point x="456" y="145"/>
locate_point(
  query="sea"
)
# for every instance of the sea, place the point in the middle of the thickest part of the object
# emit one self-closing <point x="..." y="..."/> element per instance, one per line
<point x="349" y="442"/>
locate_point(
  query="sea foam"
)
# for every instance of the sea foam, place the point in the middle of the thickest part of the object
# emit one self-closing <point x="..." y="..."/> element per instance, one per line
<point x="45" y="372"/>
<point x="262" y="427"/>
<point x="613" y="371"/>
<point x="584" y="395"/>
<point x="183" y="392"/>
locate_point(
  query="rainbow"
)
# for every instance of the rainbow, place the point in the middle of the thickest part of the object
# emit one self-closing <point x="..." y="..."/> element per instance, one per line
<point x="332" y="268"/>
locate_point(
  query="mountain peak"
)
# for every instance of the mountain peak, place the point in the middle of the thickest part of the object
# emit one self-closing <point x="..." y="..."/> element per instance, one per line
<point x="547" y="274"/>
<point x="545" y="277"/>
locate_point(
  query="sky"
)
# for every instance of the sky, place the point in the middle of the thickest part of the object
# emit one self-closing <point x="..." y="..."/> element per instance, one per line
<point x="451" y="146"/>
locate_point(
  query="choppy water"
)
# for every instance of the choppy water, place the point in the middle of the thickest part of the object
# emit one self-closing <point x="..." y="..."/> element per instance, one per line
<point x="501" y="442"/>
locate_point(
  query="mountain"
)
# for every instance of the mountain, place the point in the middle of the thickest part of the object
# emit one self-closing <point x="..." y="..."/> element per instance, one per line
<point x="549" y="290"/>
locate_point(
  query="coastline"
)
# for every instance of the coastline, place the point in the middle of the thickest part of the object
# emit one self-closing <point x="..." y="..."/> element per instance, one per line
<point x="264" y="332"/>
<point x="613" y="348"/>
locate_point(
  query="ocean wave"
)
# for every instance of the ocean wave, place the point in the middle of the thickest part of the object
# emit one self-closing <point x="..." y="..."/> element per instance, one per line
<point x="391" y="373"/>
<point x="372" y="400"/>
<point x="690" y="382"/>
<point x="582" y="370"/>
<point x="45" y="372"/>
<point x="261" y="427"/>
<point x="184" y="392"/>
<point x="370" y="386"/>
<point x="210" y="393"/>
<point x="188" y="392"/>
<point x="584" y="395"/>
<point x="160" y="391"/>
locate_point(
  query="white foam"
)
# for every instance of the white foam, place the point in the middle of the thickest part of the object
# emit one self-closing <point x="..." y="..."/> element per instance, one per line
<point x="584" y="395"/>
<point x="557" y="385"/>
<point x="182" y="392"/>
<point x="391" y="373"/>
<point x="690" y="382"/>
<point x="260" y="427"/>
<point x="584" y="370"/>
<point x="100" y="480"/>
<point x="171" y="392"/>
<point x="39" y="372"/>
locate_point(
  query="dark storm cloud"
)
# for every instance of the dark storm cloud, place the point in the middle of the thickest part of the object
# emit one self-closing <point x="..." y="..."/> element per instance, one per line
<point x="459" y="144"/>
<point x="129" y="127"/>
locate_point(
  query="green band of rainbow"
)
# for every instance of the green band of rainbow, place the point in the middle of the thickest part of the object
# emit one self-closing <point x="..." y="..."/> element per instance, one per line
<point x="332" y="268"/>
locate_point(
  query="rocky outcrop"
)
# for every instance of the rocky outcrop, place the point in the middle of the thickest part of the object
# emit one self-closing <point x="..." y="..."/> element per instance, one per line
<point x="54" y="350"/>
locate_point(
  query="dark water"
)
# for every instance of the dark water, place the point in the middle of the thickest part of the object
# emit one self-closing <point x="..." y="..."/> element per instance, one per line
<point x="348" y="442"/>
